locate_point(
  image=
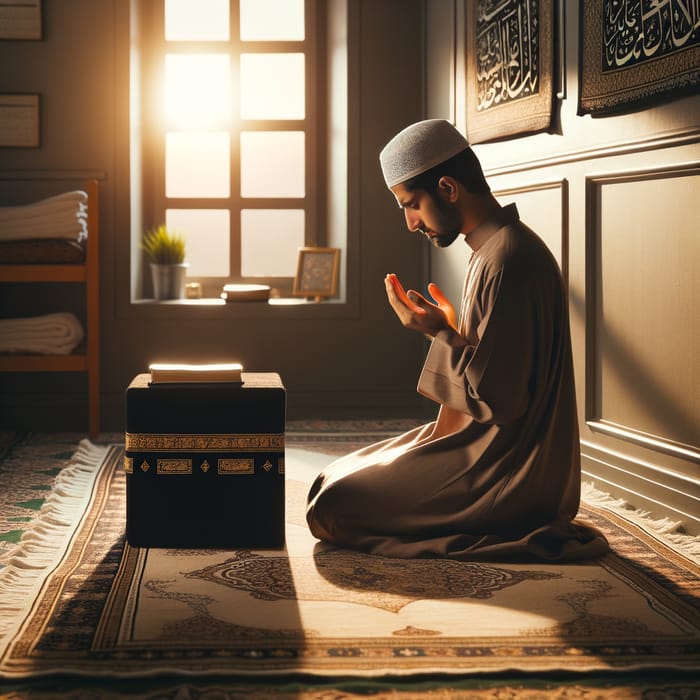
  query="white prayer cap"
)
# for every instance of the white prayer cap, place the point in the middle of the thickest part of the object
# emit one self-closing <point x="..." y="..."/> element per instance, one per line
<point x="418" y="148"/>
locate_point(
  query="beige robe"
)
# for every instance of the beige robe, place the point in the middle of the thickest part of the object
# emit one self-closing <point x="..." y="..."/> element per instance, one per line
<point x="497" y="474"/>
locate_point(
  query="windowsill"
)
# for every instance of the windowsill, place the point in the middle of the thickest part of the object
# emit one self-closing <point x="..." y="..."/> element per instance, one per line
<point x="213" y="301"/>
<point x="211" y="307"/>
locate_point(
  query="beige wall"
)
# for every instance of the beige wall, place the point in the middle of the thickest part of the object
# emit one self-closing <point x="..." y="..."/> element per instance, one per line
<point x="616" y="198"/>
<point x="336" y="361"/>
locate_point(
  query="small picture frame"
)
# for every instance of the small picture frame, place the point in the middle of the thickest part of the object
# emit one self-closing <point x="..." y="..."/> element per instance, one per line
<point x="317" y="273"/>
<point x="20" y="20"/>
<point x="19" y="121"/>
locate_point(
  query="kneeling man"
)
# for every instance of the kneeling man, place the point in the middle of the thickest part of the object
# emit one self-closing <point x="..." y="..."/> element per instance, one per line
<point x="497" y="474"/>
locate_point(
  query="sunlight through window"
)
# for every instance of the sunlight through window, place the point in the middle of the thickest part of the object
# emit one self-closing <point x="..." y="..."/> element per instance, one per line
<point x="272" y="20"/>
<point x="270" y="241"/>
<point x="272" y="86"/>
<point x="197" y="91"/>
<point x="207" y="236"/>
<point x="272" y="163"/>
<point x="204" y="20"/>
<point x="198" y="164"/>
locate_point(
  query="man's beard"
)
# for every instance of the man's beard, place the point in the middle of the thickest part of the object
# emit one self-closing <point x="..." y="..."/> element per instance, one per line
<point x="448" y="224"/>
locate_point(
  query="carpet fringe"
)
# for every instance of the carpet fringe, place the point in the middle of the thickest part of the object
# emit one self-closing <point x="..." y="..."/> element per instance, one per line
<point x="43" y="545"/>
<point x="669" y="531"/>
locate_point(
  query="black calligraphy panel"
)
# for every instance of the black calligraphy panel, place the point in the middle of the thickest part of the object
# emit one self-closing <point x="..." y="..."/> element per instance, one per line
<point x="507" y="51"/>
<point x="636" y="53"/>
<point x="636" y="31"/>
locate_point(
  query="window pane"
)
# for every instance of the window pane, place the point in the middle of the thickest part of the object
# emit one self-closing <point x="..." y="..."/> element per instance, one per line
<point x="197" y="164"/>
<point x="206" y="233"/>
<point x="204" y="20"/>
<point x="197" y="90"/>
<point x="272" y="86"/>
<point x="270" y="241"/>
<point x="272" y="164"/>
<point x="272" y="20"/>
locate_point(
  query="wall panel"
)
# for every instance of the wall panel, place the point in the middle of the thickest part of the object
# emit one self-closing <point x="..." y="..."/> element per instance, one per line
<point x="643" y="306"/>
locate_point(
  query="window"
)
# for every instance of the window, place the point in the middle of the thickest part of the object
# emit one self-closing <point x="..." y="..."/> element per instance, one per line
<point x="229" y="101"/>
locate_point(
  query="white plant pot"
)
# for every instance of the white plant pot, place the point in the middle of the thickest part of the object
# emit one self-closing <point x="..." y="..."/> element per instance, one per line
<point x="169" y="280"/>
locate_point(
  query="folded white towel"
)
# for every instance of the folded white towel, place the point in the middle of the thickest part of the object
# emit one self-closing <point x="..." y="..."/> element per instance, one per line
<point x="76" y="230"/>
<point x="51" y="334"/>
<point x="30" y="212"/>
<point x="68" y="201"/>
<point x="61" y="216"/>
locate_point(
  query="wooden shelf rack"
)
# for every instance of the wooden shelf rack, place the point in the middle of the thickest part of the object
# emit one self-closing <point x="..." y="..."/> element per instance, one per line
<point x="86" y="358"/>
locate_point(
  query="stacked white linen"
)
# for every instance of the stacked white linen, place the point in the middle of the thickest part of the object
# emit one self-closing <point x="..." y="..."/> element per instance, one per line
<point x="51" y="334"/>
<point x="61" y="216"/>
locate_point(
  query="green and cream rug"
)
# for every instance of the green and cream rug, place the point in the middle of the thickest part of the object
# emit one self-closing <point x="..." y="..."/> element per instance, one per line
<point x="75" y="599"/>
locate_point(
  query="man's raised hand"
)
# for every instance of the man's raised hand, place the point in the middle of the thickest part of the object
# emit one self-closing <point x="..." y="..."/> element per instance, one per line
<point x="415" y="311"/>
<point x="443" y="303"/>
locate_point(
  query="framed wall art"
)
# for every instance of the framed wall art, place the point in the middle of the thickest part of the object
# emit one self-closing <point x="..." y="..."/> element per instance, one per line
<point x="509" y="67"/>
<point x="633" y="53"/>
<point x="19" y="121"/>
<point x="20" y="20"/>
<point x="317" y="273"/>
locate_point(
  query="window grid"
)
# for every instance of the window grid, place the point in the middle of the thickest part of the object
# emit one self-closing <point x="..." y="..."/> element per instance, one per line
<point x="156" y="202"/>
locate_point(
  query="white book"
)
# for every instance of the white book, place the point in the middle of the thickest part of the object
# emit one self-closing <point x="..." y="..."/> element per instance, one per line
<point x="165" y="372"/>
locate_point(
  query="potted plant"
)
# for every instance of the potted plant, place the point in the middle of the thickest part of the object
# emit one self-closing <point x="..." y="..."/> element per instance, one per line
<point x="165" y="250"/>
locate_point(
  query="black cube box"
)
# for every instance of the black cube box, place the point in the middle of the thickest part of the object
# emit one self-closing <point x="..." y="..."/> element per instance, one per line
<point x="204" y="463"/>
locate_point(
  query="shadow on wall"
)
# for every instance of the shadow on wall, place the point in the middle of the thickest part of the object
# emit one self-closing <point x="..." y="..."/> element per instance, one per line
<point x="638" y="379"/>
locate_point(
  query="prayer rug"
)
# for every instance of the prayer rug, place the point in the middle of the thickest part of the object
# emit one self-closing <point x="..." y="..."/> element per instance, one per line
<point x="75" y="599"/>
<point x="28" y="466"/>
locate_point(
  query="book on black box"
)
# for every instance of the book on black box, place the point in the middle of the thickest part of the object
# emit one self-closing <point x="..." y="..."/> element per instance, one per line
<point x="179" y="372"/>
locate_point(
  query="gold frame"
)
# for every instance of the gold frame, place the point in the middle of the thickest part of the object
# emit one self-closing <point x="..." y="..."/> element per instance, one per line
<point x="317" y="273"/>
<point x="506" y="116"/>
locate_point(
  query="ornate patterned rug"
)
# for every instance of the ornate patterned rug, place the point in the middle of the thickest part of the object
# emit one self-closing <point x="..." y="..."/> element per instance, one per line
<point x="75" y="599"/>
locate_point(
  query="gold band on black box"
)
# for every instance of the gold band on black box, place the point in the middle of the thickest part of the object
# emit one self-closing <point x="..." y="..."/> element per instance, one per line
<point x="157" y="442"/>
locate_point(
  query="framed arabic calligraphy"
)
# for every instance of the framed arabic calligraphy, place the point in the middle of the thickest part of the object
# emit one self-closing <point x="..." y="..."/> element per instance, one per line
<point x="634" y="53"/>
<point x="510" y="66"/>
